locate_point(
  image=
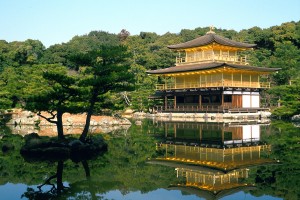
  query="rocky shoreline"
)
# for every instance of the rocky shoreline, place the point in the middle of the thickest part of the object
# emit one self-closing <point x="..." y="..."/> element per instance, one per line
<point x="25" y="122"/>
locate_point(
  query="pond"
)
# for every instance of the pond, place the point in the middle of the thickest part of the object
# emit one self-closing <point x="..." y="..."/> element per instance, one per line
<point x="165" y="160"/>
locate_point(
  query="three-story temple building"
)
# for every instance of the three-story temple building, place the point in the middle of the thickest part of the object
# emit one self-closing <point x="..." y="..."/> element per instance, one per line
<point x="211" y="75"/>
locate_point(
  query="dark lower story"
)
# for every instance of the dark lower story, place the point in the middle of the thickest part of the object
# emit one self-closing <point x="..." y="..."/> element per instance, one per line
<point x="209" y="101"/>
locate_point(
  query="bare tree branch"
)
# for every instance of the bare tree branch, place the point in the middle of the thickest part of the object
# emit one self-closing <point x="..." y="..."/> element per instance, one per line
<point x="49" y="119"/>
<point x="47" y="182"/>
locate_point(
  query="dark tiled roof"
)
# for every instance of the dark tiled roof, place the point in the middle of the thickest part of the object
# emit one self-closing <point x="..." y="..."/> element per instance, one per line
<point x="204" y="66"/>
<point x="208" y="39"/>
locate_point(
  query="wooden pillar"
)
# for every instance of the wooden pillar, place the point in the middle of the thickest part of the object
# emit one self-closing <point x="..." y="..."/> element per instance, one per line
<point x="166" y="102"/>
<point x="222" y="135"/>
<point x="200" y="135"/>
<point x="223" y="79"/>
<point x="228" y="55"/>
<point x="241" y="79"/>
<point x="200" y="84"/>
<point x="222" y="103"/>
<point x="200" y="99"/>
<point x="175" y="102"/>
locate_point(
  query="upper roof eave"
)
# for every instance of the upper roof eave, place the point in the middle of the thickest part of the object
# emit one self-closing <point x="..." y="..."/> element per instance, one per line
<point x="209" y="39"/>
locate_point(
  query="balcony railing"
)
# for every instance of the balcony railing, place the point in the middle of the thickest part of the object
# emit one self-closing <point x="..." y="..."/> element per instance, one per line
<point x="224" y="83"/>
<point x="212" y="57"/>
<point x="208" y="108"/>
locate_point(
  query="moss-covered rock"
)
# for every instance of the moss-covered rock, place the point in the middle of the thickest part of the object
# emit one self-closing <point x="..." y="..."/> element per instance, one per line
<point x="46" y="148"/>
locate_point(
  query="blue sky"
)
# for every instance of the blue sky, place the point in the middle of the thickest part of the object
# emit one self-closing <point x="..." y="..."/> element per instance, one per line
<point x="57" y="21"/>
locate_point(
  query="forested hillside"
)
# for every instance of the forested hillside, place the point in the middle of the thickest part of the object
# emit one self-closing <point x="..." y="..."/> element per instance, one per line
<point x="277" y="47"/>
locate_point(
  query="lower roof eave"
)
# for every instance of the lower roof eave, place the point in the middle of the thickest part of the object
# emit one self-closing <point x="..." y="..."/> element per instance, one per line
<point x="208" y="66"/>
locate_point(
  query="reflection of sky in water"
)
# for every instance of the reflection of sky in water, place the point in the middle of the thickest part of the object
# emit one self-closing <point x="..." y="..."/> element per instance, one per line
<point x="175" y="195"/>
<point x="11" y="191"/>
<point x="157" y="194"/>
<point x="244" y="196"/>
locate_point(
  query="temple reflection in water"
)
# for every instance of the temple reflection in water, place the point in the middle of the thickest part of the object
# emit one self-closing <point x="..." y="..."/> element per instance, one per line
<point x="212" y="160"/>
<point x="212" y="134"/>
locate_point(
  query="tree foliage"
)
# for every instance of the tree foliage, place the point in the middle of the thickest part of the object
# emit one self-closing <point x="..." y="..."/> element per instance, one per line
<point x="280" y="180"/>
<point x="51" y="88"/>
<point x="104" y="71"/>
<point x="277" y="46"/>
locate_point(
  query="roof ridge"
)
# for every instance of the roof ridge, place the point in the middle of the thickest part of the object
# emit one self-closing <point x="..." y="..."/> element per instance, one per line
<point x="208" y="38"/>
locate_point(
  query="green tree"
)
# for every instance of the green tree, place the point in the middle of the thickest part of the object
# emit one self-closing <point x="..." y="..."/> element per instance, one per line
<point x="53" y="90"/>
<point x="143" y="88"/>
<point x="286" y="56"/>
<point x="5" y="94"/>
<point x="26" y="53"/>
<point x="289" y="99"/>
<point x="12" y="83"/>
<point x="58" y="54"/>
<point x="105" y="70"/>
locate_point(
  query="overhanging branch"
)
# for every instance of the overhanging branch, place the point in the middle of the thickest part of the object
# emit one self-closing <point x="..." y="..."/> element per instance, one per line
<point x="49" y="119"/>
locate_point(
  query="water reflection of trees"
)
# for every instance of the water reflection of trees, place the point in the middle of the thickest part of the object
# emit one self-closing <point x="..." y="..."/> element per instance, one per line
<point x="123" y="167"/>
<point x="57" y="188"/>
<point x="281" y="180"/>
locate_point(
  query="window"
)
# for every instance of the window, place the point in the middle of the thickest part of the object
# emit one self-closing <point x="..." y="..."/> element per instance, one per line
<point x="192" y="99"/>
<point x="205" y="99"/>
<point x="179" y="99"/>
<point x="187" y="99"/>
<point x="228" y="98"/>
<point x="216" y="99"/>
<point x="227" y="135"/>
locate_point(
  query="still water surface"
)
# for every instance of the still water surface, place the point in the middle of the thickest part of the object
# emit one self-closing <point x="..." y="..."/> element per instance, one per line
<point x="167" y="160"/>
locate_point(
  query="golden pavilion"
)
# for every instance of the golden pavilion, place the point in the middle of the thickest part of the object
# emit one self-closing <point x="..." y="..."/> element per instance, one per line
<point x="211" y="75"/>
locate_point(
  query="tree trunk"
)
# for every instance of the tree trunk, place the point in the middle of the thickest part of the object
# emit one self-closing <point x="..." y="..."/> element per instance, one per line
<point x="87" y="124"/>
<point x="59" y="125"/>
<point x="89" y="115"/>
<point x="59" y="173"/>
<point x="86" y="168"/>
